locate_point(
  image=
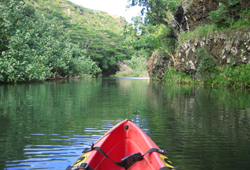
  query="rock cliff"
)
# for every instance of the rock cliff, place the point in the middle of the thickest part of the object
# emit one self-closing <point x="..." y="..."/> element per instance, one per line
<point x="191" y="14"/>
<point x="225" y="47"/>
<point x="157" y="65"/>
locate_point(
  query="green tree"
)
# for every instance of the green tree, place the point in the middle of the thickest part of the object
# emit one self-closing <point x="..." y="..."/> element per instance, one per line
<point x="97" y="32"/>
<point x="157" y="11"/>
<point x="19" y="62"/>
<point x="106" y="48"/>
<point x="226" y="14"/>
<point x="148" y="37"/>
<point x="34" y="48"/>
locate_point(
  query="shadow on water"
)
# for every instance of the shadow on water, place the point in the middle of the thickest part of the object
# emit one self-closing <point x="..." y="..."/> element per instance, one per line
<point x="46" y="126"/>
<point x="203" y="128"/>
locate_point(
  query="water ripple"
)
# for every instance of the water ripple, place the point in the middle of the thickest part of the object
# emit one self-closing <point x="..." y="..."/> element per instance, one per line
<point x="49" y="156"/>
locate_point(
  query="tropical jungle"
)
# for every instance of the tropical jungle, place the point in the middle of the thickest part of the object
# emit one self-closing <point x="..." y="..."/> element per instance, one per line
<point x="198" y="41"/>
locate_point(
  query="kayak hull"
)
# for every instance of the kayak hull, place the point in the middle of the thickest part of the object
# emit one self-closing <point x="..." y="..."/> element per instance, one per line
<point x="122" y="140"/>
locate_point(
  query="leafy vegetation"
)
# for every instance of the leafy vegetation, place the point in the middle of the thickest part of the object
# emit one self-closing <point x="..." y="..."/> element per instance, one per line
<point x="157" y="11"/>
<point x="171" y="76"/>
<point x="145" y="39"/>
<point x="34" y="48"/>
<point x="230" y="14"/>
<point x="206" y="68"/>
<point x="209" y="73"/>
<point x="97" y="32"/>
<point x="148" y="37"/>
<point x="233" y="76"/>
<point x="43" y="39"/>
<point x="135" y="67"/>
<point x="200" y="31"/>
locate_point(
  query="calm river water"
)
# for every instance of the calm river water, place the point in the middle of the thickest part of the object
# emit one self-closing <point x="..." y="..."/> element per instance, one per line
<point x="46" y="126"/>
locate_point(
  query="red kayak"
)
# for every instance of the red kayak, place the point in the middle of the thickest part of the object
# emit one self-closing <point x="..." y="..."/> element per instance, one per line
<point x="125" y="146"/>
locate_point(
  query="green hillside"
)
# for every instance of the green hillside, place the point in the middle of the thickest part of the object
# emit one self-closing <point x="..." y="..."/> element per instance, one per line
<point x="43" y="39"/>
<point x="96" y="31"/>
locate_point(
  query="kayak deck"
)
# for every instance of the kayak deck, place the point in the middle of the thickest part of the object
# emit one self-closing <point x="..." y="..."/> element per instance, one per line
<point x="121" y="141"/>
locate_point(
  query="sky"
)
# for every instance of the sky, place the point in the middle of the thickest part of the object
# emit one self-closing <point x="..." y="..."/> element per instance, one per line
<point x="112" y="7"/>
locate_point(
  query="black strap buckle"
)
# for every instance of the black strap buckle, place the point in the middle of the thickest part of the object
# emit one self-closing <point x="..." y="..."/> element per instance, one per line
<point x="131" y="159"/>
<point x="83" y="166"/>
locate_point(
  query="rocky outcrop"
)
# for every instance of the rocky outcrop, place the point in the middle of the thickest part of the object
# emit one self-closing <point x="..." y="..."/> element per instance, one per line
<point x="188" y="16"/>
<point x="198" y="13"/>
<point x="157" y="65"/>
<point x="227" y="47"/>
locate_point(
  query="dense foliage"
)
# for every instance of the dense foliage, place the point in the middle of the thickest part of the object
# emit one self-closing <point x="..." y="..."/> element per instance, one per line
<point x="157" y="11"/>
<point x="148" y="37"/>
<point x="97" y="32"/>
<point x="155" y="34"/>
<point x="231" y="13"/>
<point x="34" y="48"/>
<point x="42" y="39"/>
<point x="227" y="75"/>
<point x="135" y="67"/>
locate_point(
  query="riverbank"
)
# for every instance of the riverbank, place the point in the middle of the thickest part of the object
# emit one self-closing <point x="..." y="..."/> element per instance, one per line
<point x="228" y="75"/>
<point x="136" y="67"/>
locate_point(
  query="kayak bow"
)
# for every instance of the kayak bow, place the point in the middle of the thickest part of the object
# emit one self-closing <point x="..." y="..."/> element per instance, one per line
<point x="125" y="146"/>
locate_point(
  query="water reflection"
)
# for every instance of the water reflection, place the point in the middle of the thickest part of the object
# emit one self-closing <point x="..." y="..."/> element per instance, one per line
<point x="57" y="156"/>
<point x="203" y="128"/>
<point x="46" y="126"/>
